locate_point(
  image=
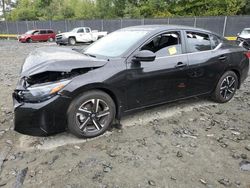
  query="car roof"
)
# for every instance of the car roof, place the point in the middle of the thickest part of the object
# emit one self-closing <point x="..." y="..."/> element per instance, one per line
<point x="159" y="28"/>
<point x="246" y="28"/>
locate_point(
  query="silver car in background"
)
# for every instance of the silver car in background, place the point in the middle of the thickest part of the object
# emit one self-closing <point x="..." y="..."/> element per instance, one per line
<point x="243" y="38"/>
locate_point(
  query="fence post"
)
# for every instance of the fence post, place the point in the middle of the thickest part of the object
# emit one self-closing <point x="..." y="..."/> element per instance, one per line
<point x="142" y="21"/>
<point x="168" y="21"/>
<point x="17" y="28"/>
<point x="195" y="20"/>
<point x="225" y="25"/>
<point x="7" y="28"/>
<point x="50" y="24"/>
<point x="27" y="25"/>
<point x="121" y="23"/>
<point x="102" y="24"/>
<point x="65" y="25"/>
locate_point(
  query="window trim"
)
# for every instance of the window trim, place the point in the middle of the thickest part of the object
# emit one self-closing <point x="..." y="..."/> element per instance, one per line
<point x="183" y="47"/>
<point x="183" y="41"/>
<point x="188" y="46"/>
<point x="202" y="32"/>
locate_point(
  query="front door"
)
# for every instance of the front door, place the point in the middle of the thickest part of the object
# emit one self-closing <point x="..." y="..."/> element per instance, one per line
<point x="162" y="80"/>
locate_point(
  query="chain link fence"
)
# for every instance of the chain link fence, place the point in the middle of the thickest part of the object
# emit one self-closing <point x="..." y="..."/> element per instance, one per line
<point x="223" y="25"/>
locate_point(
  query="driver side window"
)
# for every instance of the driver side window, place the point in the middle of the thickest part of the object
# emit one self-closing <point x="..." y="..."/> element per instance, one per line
<point x="36" y="33"/>
<point x="166" y="44"/>
<point x="80" y="31"/>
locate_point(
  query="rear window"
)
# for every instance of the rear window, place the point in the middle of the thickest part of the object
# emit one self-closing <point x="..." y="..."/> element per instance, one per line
<point x="49" y="31"/>
<point x="87" y="30"/>
<point x="198" y="41"/>
<point x="215" y="41"/>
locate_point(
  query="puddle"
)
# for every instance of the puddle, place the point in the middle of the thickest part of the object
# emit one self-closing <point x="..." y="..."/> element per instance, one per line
<point x="165" y="111"/>
<point x="245" y="166"/>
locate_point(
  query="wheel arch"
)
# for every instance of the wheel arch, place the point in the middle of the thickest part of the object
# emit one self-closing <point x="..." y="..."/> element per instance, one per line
<point x="237" y="72"/>
<point x="113" y="94"/>
<point x="71" y="37"/>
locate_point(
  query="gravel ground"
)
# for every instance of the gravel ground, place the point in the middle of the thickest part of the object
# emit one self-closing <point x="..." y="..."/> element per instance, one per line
<point x="192" y="143"/>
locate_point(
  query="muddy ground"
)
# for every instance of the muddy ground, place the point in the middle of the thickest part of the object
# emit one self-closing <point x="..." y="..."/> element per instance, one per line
<point x="192" y="143"/>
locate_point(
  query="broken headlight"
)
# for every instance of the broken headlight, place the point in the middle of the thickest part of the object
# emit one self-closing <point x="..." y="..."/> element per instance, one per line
<point x="39" y="93"/>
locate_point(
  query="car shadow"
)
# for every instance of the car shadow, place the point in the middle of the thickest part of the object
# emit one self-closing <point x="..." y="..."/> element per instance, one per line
<point x="138" y="118"/>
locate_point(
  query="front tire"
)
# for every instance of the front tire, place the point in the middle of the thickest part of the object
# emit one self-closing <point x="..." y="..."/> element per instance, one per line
<point x="226" y="87"/>
<point x="50" y="39"/>
<point x="91" y="114"/>
<point x="29" y="40"/>
<point x="72" y="41"/>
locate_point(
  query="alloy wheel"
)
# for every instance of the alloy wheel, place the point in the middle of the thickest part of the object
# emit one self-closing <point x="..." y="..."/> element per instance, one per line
<point x="92" y="115"/>
<point x="228" y="87"/>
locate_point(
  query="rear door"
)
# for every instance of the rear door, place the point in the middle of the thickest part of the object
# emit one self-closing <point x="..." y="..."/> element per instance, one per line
<point x="207" y="61"/>
<point x="162" y="80"/>
<point x="43" y="36"/>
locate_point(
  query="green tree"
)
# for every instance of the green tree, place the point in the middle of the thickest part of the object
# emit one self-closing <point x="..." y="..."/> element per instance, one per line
<point x="108" y="9"/>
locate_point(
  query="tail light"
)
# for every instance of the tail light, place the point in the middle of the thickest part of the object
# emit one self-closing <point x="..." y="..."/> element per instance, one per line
<point x="247" y="54"/>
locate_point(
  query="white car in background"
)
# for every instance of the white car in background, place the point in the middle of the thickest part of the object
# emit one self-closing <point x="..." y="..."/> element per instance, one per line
<point x="243" y="38"/>
<point x="79" y="34"/>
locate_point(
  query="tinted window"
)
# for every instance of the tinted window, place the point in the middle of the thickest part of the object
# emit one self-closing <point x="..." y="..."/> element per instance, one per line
<point x="43" y="32"/>
<point x="49" y="31"/>
<point x="165" y="44"/>
<point x="198" y="42"/>
<point x="87" y="30"/>
<point x="80" y="31"/>
<point x="215" y="41"/>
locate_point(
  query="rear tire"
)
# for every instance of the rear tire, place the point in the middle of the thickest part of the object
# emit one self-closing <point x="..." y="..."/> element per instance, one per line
<point x="72" y="41"/>
<point x="91" y="114"/>
<point x="226" y="87"/>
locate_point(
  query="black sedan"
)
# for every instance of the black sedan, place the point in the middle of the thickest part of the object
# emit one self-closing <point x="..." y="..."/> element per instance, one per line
<point x="85" y="91"/>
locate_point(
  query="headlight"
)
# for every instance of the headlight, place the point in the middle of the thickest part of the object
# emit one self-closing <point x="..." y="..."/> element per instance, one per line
<point x="42" y="92"/>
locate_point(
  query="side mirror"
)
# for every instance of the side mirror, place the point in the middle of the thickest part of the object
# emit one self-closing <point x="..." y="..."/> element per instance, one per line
<point x="238" y="34"/>
<point x="144" y="55"/>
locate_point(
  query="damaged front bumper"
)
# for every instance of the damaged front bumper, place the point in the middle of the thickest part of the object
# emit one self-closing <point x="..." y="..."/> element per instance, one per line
<point x="41" y="119"/>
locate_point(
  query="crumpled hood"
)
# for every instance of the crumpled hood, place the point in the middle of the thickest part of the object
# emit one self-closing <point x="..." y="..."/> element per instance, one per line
<point x="57" y="59"/>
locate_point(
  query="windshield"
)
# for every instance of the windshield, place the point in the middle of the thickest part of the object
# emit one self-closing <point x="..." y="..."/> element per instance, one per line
<point x="29" y="32"/>
<point x="115" y="44"/>
<point x="245" y="32"/>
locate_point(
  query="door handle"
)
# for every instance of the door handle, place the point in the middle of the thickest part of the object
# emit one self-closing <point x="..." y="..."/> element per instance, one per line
<point x="222" y="58"/>
<point x="180" y="65"/>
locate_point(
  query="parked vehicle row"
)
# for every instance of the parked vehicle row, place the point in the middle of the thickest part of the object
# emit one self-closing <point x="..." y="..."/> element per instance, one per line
<point x="130" y="69"/>
<point x="80" y="34"/>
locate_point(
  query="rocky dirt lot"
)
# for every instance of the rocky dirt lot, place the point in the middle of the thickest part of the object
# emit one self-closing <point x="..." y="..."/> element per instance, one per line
<point x="193" y="143"/>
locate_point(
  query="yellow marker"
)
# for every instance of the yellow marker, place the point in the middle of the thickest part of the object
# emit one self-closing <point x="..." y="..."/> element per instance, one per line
<point x="172" y="50"/>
